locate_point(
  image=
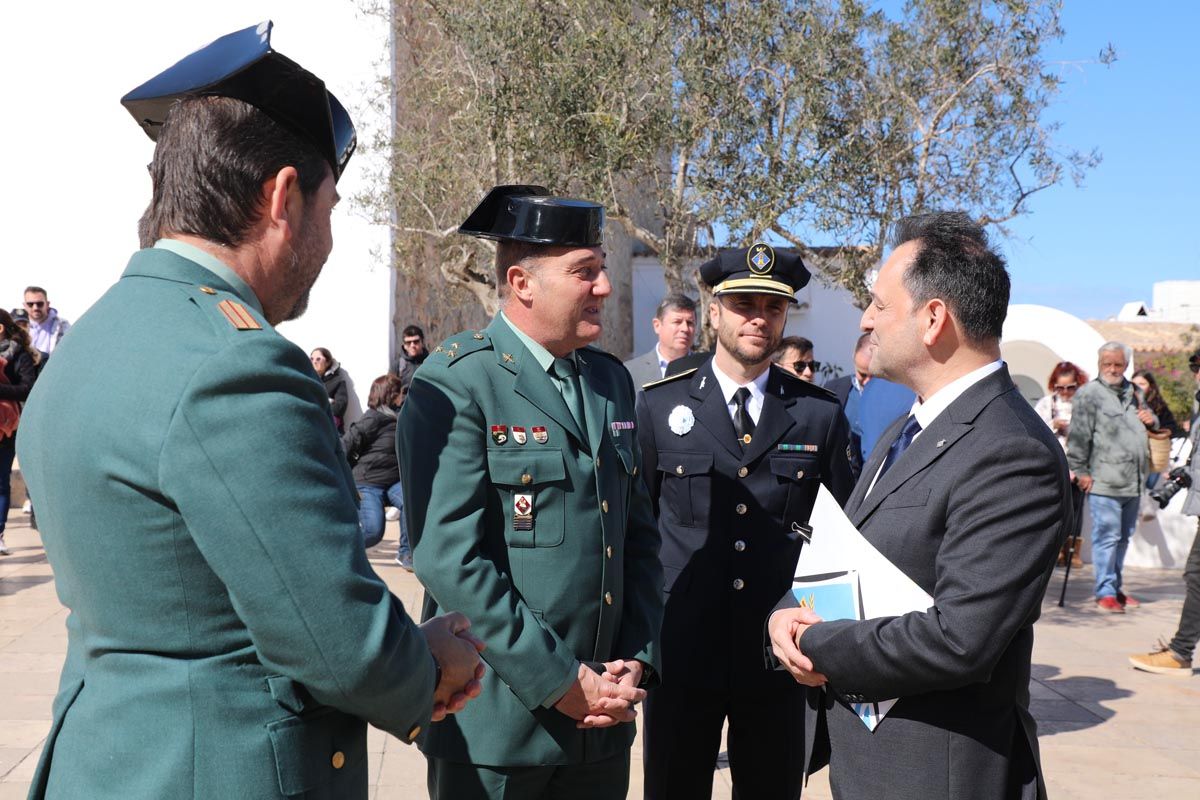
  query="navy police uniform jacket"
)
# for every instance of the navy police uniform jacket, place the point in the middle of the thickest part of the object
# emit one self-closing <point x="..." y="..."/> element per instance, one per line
<point x="730" y="515"/>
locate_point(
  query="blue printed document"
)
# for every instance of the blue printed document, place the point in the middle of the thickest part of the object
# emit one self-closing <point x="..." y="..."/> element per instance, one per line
<point x="838" y="560"/>
<point x="830" y="596"/>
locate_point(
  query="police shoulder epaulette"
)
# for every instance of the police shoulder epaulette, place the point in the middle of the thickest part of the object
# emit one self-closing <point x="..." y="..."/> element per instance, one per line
<point x="233" y="311"/>
<point x="459" y="345"/>
<point x="669" y="379"/>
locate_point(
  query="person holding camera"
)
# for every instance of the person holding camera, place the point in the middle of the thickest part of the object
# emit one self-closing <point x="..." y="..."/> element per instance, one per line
<point x="1108" y="454"/>
<point x="1175" y="657"/>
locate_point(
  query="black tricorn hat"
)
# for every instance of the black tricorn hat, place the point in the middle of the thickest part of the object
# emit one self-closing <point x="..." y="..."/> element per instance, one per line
<point x="243" y="66"/>
<point x="758" y="269"/>
<point x="530" y="214"/>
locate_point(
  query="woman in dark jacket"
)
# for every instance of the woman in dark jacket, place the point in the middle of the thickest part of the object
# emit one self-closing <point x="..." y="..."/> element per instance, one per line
<point x="334" y="376"/>
<point x="370" y="446"/>
<point x="17" y="374"/>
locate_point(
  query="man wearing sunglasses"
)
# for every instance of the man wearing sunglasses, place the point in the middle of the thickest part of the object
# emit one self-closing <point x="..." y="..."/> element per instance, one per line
<point x="46" y="327"/>
<point x="795" y="354"/>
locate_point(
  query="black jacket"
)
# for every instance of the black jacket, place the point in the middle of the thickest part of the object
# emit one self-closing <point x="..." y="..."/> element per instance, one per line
<point x="728" y="515"/>
<point x="19" y="369"/>
<point x="370" y="446"/>
<point x="335" y="385"/>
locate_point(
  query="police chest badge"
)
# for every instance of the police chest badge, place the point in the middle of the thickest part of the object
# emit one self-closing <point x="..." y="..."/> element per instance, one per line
<point x="523" y="512"/>
<point x="681" y="420"/>
<point x="499" y="434"/>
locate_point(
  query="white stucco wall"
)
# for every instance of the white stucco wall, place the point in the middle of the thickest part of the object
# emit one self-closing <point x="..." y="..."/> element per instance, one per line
<point x="76" y="179"/>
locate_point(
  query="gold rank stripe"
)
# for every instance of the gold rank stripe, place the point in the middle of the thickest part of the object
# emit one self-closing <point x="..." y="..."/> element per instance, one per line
<point x="238" y="316"/>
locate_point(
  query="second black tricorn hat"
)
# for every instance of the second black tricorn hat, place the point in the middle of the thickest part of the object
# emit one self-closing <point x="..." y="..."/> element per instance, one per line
<point x="529" y="214"/>
<point x="757" y="269"/>
<point x="243" y="65"/>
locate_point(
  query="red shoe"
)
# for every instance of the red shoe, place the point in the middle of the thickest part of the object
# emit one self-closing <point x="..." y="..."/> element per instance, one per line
<point x="1110" y="604"/>
<point x="1127" y="601"/>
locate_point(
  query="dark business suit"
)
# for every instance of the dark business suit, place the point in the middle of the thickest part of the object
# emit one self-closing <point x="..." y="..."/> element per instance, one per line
<point x="729" y="549"/>
<point x="841" y="388"/>
<point x="974" y="512"/>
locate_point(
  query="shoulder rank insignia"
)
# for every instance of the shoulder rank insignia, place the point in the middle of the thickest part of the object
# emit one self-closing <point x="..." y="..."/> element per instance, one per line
<point x="669" y="378"/>
<point x="238" y="316"/>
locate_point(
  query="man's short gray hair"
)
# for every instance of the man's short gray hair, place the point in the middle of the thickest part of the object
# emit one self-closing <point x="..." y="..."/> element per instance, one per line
<point x="1109" y="347"/>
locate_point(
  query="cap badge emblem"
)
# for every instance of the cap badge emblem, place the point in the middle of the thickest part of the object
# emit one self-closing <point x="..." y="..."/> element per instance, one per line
<point x="760" y="258"/>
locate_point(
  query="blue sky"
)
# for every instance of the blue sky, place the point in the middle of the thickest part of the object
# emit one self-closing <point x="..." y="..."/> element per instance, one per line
<point x="1134" y="221"/>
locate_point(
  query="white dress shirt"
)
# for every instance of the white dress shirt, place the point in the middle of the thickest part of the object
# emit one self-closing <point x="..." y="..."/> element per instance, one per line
<point x="928" y="411"/>
<point x="757" y="387"/>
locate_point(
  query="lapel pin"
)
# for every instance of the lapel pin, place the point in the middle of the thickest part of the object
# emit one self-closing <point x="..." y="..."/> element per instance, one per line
<point x="941" y="442"/>
<point x="703" y="381"/>
<point x="508" y="359"/>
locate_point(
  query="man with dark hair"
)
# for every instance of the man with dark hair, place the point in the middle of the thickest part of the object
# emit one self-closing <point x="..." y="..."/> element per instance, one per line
<point x="735" y="451"/>
<point x="969" y="497"/>
<point x="526" y="511"/>
<point x="46" y="327"/>
<point x="675" y="326"/>
<point x="849" y="390"/>
<point x="413" y="353"/>
<point x="199" y="514"/>
<point x="795" y="354"/>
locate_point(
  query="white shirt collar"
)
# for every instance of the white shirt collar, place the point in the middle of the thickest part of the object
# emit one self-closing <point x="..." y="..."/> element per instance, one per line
<point x="926" y="412"/>
<point x="757" y="387"/>
<point x="662" y="362"/>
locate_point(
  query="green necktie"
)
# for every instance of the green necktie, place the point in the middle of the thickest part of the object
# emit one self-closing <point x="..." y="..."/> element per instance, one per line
<point x="568" y="384"/>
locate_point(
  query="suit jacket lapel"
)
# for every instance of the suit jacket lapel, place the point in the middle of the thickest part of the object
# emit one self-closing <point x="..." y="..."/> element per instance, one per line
<point x="773" y="422"/>
<point x="712" y="411"/>
<point x="950" y="426"/>
<point x="532" y="382"/>
<point x="874" y="461"/>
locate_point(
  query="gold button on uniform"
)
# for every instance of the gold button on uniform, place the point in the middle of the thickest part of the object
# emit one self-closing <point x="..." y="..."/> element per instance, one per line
<point x="740" y="508"/>
<point x="608" y="551"/>
<point x="208" y="290"/>
<point x="738" y="584"/>
<point x="526" y="479"/>
<point x="477" y="336"/>
<point x="739" y="545"/>
<point x="338" y="760"/>
<point x="679" y="470"/>
<point x="799" y="474"/>
<point x="608" y="598"/>
<point x="414" y="733"/>
<point x="604" y="506"/>
<point x="743" y="472"/>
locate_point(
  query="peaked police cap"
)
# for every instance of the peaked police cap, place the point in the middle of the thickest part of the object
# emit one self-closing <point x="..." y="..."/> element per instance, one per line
<point x="758" y="269"/>
<point x="243" y="65"/>
<point x="530" y="214"/>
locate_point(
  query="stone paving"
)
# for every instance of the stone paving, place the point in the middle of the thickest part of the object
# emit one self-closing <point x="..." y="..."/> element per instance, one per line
<point x="1106" y="730"/>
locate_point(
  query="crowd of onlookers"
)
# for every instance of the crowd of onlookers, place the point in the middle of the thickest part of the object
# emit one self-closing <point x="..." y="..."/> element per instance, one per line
<point x="28" y="335"/>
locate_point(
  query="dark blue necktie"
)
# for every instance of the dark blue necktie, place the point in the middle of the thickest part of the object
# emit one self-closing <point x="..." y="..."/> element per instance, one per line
<point x="911" y="428"/>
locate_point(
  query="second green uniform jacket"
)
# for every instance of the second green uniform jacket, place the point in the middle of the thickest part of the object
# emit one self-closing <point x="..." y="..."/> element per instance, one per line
<point x="540" y="532"/>
<point x="227" y="636"/>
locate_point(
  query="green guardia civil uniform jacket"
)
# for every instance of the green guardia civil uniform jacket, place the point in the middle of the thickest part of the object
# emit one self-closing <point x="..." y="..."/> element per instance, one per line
<point x="227" y="636"/>
<point x="539" y="531"/>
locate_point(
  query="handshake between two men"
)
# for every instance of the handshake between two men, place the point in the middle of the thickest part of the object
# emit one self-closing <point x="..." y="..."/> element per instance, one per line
<point x="595" y="700"/>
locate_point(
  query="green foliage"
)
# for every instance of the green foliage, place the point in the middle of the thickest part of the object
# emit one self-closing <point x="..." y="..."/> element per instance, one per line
<point x="1176" y="382"/>
<point x="685" y="117"/>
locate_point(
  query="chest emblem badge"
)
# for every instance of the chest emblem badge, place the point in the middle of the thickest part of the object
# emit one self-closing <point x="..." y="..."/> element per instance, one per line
<point x="499" y="434"/>
<point x="681" y="420"/>
<point x="540" y="435"/>
<point x="519" y="435"/>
